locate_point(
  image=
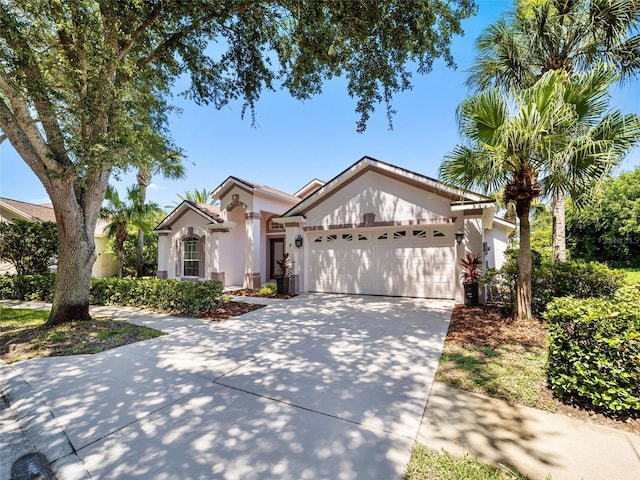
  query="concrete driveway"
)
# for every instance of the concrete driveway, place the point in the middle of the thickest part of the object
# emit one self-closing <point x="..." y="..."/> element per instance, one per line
<point x="320" y="386"/>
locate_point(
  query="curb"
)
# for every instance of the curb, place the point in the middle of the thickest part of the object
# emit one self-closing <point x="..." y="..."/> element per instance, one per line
<point x="34" y="423"/>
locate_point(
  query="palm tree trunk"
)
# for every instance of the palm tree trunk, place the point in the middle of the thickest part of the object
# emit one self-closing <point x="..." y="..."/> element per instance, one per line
<point x="522" y="306"/>
<point x="559" y="227"/>
<point x="144" y="178"/>
<point x="120" y="262"/>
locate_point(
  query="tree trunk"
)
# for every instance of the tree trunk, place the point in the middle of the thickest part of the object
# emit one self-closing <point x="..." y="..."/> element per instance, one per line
<point x="76" y="255"/>
<point x="522" y="307"/>
<point x="144" y="178"/>
<point x="559" y="227"/>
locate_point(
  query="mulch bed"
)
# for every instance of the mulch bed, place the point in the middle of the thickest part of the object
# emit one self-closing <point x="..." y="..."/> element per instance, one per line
<point x="245" y="292"/>
<point x="491" y="325"/>
<point x="225" y="310"/>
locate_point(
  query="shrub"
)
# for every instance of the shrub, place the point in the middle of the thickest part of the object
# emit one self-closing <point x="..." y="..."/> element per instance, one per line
<point x="28" y="287"/>
<point x="185" y="297"/>
<point x="594" y="351"/>
<point x="551" y="280"/>
<point x="575" y="279"/>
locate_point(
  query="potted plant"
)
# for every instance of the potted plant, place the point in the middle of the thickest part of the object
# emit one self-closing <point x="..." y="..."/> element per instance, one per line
<point x="471" y="272"/>
<point x="285" y="266"/>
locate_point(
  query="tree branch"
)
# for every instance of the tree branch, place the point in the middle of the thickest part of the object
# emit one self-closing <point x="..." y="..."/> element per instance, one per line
<point x="18" y="43"/>
<point x="155" y="12"/>
<point x="175" y="38"/>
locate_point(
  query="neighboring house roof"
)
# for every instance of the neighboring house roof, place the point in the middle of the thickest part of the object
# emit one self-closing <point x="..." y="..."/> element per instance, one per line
<point x="29" y="211"/>
<point x="231" y="181"/>
<point x="208" y="212"/>
<point x="366" y="164"/>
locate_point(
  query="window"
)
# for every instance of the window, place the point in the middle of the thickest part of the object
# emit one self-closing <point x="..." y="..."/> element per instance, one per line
<point x="382" y="237"/>
<point x="191" y="247"/>
<point x="274" y="227"/>
<point x="438" y="233"/>
<point x="420" y="233"/>
<point x="332" y="238"/>
<point x="347" y="237"/>
<point x="318" y="240"/>
<point x="362" y="237"/>
<point x="399" y="234"/>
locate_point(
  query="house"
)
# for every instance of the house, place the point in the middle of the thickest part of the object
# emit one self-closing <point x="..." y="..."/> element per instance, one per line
<point x="105" y="266"/>
<point x="374" y="229"/>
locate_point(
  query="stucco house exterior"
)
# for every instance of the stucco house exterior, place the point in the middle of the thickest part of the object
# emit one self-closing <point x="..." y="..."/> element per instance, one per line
<point x="105" y="266"/>
<point x="374" y="229"/>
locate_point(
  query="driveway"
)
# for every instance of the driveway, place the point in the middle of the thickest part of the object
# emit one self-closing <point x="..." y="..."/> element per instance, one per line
<point x="320" y="386"/>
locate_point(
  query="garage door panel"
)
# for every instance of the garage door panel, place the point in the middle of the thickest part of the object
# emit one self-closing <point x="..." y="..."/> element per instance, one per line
<point x="405" y="266"/>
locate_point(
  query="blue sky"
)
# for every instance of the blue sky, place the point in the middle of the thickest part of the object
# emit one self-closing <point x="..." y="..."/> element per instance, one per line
<point x="296" y="141"/>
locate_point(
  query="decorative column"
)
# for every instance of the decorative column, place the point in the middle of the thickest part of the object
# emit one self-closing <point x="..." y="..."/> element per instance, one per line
<point x="293" y="229"/>
<point x="460" y="252"/>
<point x="213" y="269"/>
<point x="164" y="252"/>
<point x="252" y="252"/>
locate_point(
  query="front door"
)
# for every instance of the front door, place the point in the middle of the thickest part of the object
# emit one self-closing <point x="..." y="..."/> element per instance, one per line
<point x="277" y="252"/>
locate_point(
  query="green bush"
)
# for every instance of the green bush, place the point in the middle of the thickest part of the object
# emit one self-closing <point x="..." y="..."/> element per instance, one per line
<point x="185" y="297"/>
<point x="573" y="279"/>
<point x="28" y="287"/>
<point x="594" y="351"/>
<point x="552" y="280"/>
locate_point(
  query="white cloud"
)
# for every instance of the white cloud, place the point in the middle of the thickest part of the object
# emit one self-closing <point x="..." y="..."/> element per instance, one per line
<point x="155" y="186"/>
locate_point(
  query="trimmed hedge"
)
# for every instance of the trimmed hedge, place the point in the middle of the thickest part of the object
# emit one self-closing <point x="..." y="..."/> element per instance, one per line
<point x="28" y="287"/>
<point x="594" y="350"/>
<point x="188" y="298"/>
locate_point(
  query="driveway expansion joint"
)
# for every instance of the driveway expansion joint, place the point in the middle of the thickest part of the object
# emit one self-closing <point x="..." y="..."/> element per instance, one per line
<point x="311" y="410"/>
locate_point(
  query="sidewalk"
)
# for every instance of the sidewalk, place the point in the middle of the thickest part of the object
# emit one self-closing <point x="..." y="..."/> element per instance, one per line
<point x="530" y="441"/>
<point x="32" y="444"/>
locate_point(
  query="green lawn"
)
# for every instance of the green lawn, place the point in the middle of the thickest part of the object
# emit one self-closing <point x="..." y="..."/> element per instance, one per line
<point x="511" y="372"/>
<point x="427" y="464"/>
<point x="23" y="335"/>
<point x="632" y="275"/>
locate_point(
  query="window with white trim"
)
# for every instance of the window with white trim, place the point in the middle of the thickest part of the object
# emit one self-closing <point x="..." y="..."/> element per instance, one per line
<point x="191" y="260"/>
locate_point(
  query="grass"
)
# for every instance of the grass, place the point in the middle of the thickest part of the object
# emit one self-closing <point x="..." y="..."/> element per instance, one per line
<point x="511" y="372"/>
<point x="23" y="335"/>
<point x="632" y="275"/>
<point x="427" y="464"/>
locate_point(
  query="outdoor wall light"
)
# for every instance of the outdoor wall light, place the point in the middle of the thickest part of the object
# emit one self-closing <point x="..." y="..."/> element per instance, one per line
<point x="459" y="236"/>
<point x="299" y="241"/>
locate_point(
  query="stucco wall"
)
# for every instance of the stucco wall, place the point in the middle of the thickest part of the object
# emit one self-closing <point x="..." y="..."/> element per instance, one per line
<point x="106" y="265"/>
<point x="497" y="241"/>
<point x="388" y="198"/>
<point x="232" y="248"/>
<point x="180" y="229"/>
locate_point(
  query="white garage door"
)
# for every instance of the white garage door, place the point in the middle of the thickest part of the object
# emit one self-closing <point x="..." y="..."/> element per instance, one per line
<point x="404" y="261"/>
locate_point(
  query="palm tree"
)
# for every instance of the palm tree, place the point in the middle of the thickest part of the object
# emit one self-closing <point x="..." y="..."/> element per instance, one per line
<point x="121" y="214"/>
<point x="195" y="195"/>
<point x="505" y="149"/>
<point x="572" y="36"/>
<point x="170" y="167"/>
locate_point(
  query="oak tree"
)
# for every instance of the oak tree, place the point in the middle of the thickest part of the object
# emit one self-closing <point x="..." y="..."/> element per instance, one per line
<point x="75" y="74"/>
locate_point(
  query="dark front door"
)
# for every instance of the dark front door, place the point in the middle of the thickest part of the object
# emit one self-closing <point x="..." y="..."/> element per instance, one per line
<point x="277" y="252"/>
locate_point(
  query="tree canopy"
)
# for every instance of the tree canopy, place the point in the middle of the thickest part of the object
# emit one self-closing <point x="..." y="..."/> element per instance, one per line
<point x="607" y="229"/>
<point x="31" y="247"/>
<point x="85" y="84"/>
